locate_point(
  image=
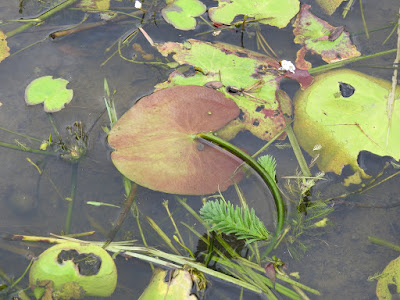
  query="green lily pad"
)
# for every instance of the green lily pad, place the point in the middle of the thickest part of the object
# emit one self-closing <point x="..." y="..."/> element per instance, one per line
<point x="52" y="92"/>
<point x="272" y="12"/>
<point x="155" y="141"/>
<point x="72" y="270"/>
<point x="389" y="277"/>
<point x="95" y="4"/>
<point x="181" y="13"/>
<point x="329" y="6"/>
<point x="256" y="77"/>
<point x="344" y="111"/>
<point x="318" y="37"/>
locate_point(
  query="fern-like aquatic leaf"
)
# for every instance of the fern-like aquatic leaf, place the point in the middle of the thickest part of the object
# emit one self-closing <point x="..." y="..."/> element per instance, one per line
<point x="226" y="218"/>
<point x="268" y="163"/>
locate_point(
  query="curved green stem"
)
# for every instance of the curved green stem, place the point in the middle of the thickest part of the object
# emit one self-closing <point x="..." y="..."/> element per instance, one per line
<point x="208" y="136"/>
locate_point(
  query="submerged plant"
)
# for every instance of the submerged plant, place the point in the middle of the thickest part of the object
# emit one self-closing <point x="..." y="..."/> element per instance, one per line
<point x="241" y="221"/>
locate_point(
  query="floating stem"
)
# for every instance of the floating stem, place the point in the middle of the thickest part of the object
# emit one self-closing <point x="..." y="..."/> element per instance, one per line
<point x="74" y="177"/>
<point x="42" y="17"/>
<point x="342" y="63"/>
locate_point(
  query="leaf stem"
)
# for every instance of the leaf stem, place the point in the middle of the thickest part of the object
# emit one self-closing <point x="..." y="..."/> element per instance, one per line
<point x="74" y="177"/>
<point x="363" y="20"/>
<point x="208" y="136"/>
<point x="297" y="152"/>
<point x="27" y="149"/>
<point x="42" y="17"/>
<point x="342" y="63"/>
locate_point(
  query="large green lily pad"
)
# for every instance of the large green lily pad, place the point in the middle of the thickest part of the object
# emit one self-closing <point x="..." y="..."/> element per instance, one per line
<point x="272" y="12"/>
<point x="344" y="126"/>
<point x="53" y="93"/>
<point x="318" y="37"/>
<point x="155" y="141"/>
<point x="258" y="76"/>
<point x="181" y="13"/>
<point x="390" y="277"/>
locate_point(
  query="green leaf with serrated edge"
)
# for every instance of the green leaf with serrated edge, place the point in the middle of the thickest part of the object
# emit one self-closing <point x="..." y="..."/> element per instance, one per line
<point x="51" y="92"/>
<point x="228" y="219"/>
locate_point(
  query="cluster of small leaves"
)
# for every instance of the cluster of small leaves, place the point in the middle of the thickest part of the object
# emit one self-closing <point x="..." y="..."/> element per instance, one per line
<point x="228" y="219"/>
<point x="268" y="162"/>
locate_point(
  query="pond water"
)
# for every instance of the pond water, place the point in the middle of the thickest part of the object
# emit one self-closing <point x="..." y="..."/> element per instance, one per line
<point x="339" y="258"/>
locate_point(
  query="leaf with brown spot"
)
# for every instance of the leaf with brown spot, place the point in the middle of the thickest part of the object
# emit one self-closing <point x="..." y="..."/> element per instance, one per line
<point x="155" y="145"/>
<point x="254" y="76"/>
<point x="318" y="37"/>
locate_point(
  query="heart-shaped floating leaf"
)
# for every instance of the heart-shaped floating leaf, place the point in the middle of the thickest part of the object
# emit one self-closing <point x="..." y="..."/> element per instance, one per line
<point x="344" y="111"/>
<point x="181" y="13"/>
<point x="272" y="12"/>
<point x="52" y="92"/>
<point x="317" y="36"/>
<point x="155" y="141"/>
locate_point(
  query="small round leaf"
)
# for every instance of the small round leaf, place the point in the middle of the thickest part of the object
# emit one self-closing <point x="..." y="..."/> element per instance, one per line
<point x="52" y="92"/>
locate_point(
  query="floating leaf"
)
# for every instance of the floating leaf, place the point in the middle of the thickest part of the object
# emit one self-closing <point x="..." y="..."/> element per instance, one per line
<point x="95" y="4"/>
<point x="89" y="267"/>
<point x="4" y="49"/>
<point x="329" y="6"/>
<point x="181" y="13"/>
<point x="52" y="92"/>
<point x="180" y="286"/>
<point x="155" y="144"/>
<point x="249" y="78"/>
<point x="317" y="36"/>
<point x="272" y="12"/>
<point x="345" y="126"/>
<point x="389" y="280"/>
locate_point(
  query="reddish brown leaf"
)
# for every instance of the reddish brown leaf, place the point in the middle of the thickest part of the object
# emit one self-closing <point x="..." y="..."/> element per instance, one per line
<point x="155" y="143"/>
